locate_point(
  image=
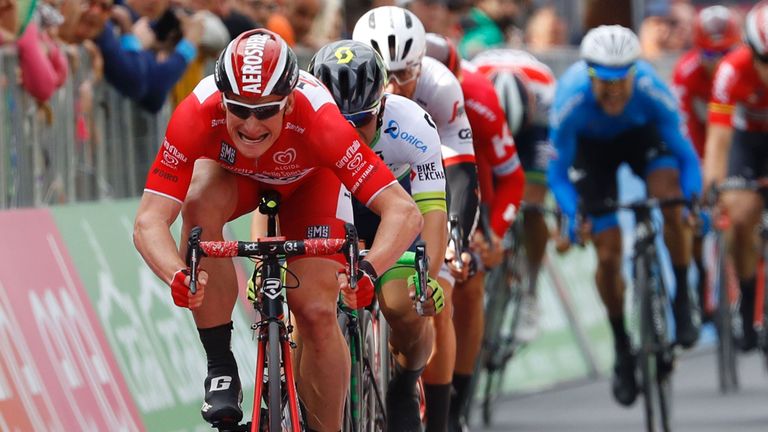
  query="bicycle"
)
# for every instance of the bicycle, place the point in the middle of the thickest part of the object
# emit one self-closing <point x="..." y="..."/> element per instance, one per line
<point x="410" y="262"/>
<point x="759" y="186"/>
<point x="506" y="284"/>
<point x="727" y="318"/>
<point x="653" y="348"/>
<point x="276" y="406"/>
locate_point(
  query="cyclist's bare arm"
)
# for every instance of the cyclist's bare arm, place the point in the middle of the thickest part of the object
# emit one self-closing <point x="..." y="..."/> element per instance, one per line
<point x="401" y="222"/>
<point x="435" y="235"/>
<point x="152" y="235"/>
<point x="718" y="145"/>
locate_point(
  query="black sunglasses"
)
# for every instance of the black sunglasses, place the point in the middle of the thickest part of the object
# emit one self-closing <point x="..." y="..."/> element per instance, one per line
<point x="260" y="111"/>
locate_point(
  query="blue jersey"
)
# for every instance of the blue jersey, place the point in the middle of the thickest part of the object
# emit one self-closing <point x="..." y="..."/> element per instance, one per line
<point x="575" y="113"/>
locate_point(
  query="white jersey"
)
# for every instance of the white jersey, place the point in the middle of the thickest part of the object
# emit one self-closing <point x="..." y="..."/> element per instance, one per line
<point x="409" y="144"/>
<point x="439" y="93"/>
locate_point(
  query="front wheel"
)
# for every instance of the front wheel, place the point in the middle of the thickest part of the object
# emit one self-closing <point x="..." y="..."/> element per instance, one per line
<point x="274" y="398"/>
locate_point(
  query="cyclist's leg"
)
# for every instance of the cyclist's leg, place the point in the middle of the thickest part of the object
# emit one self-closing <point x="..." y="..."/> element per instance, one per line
<point x="216" y="196"/>
<point x="652" y="160"/>
<point x="678" y="237"/>
<point x="411" y="340"/>
<point x="317" y="207"/>
<point x="535" y="242"/>
<point x="746" y="160"/>
<point x="469" y="323"/>
<point x="597" y="161"/>
<point x="438" y="374"/>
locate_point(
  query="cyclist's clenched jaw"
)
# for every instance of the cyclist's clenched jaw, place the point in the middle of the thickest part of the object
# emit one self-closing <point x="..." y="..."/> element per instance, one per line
<point x="613" y="95"/>
<point x="254" y="125"/>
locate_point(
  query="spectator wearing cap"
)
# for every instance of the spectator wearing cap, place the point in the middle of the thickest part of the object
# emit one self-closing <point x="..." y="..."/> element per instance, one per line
<point x="486" y="25"/>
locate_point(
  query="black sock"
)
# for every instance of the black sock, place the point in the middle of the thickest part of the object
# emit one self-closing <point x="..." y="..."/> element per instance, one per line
<point x="404" y="379"/>
<point x="438" y="402"/>
<point x="682" y="299"/>
<point x="747" y="306"/>
<point x="620" y="337"/>
<point x="460" y="397"/>
<point x="217" y="344"/>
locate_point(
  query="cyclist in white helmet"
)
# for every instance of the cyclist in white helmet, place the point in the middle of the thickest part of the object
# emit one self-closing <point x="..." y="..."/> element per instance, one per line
<point x="399" y="37"/>
<point x="612" y="108"/>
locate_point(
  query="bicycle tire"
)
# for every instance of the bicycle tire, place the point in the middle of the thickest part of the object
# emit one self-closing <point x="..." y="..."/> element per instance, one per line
<point x="502" y="314"/>
<point x="726" y="350"/>
<point x="654" y="385"/>
<point x="349" y="423"/>
<point x="275" y="398"/>
<point x="371" y="419"/>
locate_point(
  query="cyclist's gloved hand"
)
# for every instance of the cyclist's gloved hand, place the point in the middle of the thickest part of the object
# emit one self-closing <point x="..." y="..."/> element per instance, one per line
<point x="182" y="297"/>
<point x="435" y="298"/>
<point x="362" y="295"/>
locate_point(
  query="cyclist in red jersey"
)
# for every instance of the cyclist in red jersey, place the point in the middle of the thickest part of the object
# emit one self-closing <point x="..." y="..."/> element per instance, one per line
<point x="716" y="33"/>
<point x="501" y="180"/>
<point x="256" y="124"/>
<point x="736" y="148"/>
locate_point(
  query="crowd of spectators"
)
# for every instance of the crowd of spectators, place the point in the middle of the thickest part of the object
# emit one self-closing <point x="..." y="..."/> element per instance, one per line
<point x="154" y="50"/>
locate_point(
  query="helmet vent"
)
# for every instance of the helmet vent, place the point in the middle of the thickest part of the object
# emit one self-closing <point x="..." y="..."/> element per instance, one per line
<point x="408" y="20"/>
<point x="407" y="47"/>
<point x="392" y="47"/>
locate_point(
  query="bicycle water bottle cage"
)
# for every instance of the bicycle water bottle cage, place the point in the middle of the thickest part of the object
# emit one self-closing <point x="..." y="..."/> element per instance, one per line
<point x="270" y="203"/>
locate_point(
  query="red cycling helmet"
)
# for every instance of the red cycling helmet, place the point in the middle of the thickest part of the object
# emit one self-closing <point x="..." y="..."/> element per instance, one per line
<point x="256" y="64"/>
<point x="756" y="30"/>
<point x="444" y="50"/>
<point x="716" y="29"/>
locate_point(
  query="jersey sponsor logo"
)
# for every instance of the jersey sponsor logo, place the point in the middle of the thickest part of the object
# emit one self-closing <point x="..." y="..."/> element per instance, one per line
<point x="294" y="127"/>
<point x="355" y="162"/>
<point x="501" y="143"/>
<point x="171" y="155"/>
<point x="481" y="109"/>
<point x="393" y="130"/>
<point x="227" y="153"/>
<point x="429" y="121"/>
<point x="318" y="231"/>
<point x="165" y="175"/>
<point x="284" y="157"/>
<point x="252" y="63"/>
<point x="458" y="111"/>
<point x="218" y="122"/>
<point x="429" y="171"/>
<point x="349" y="155"/>
<point x="465" y="133"/>
<point x="362" y="178"/>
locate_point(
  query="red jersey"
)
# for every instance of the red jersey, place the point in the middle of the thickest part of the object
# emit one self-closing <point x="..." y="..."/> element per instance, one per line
<point x="495" y="150"/>
<point x="692" y="85"/>
<point x="315" y="136"/>
<point x="739" y="98"/>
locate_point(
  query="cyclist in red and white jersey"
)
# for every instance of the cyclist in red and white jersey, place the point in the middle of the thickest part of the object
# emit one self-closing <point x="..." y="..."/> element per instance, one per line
<point x="399" y="37"/>
<point x="736" y="148"/>
<point x="257" y="124"/>
<point x="501" y="181"/>
<point x="526" y="88"/>
<point x="716" y="33"/>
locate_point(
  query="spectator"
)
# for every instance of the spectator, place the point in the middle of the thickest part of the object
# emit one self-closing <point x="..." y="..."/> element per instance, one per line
<point x="154" y="48"/>
<point x="432" y="13"/>
<point x="235" y="21"/>
<point x="257" y="11"/>
<point x="9" y="21"/>
<point x="667" y="28"/>
<point x="545" y="30"/>
<point x="487" y="24"/>
<point x="302" y="14"/>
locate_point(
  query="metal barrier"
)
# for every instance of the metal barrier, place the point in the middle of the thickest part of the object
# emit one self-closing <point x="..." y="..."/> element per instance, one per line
<point x="63" y="153"/>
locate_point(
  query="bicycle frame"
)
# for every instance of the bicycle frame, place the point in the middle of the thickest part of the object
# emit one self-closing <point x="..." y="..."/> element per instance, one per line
<point x="271" y="332"/>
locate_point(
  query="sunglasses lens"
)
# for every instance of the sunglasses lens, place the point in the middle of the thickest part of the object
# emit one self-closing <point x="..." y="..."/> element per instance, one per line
<point x="359" y="119"/>
<point x="264" y="113"/>
<point x="239" y="111"/>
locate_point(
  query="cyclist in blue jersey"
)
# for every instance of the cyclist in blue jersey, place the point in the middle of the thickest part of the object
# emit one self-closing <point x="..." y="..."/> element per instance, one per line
<point x="612" y="108"/>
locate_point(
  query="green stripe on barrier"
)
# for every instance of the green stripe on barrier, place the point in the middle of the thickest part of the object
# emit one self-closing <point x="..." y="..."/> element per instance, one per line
<point x="156" y="343"/>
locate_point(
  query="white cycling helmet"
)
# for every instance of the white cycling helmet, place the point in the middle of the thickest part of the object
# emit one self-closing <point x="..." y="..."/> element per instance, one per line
<point x="395" y="33"/>
<point x="515" y="99"/>
<point x="756" y="30"/>
<point x="610" y="51"/>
